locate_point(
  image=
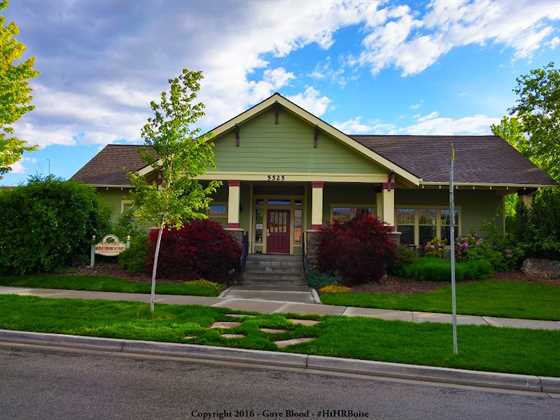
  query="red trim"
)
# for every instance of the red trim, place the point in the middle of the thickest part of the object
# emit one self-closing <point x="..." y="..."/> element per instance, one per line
<point x="234" y="183"/>
<point x="317" y="184"/>
<point x="233" y="225"/>
<point x="316" y="227"/>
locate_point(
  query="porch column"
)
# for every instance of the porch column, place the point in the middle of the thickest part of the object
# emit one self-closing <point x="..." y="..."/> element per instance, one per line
<point x="388" y="206"/>
<point x="233" y="204"/>
<point x="317" y="204"/>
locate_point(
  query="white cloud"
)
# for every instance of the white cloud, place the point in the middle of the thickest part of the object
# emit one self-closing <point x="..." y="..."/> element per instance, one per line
<point x="19" y="167"/>
<point x="433" y="123"/>
<point x="97" y="80"/>
<point x="311" y="100"/>
<point x="554" y="42"/>
<point x="356" y="126"/>
<point x="413" y="44"/>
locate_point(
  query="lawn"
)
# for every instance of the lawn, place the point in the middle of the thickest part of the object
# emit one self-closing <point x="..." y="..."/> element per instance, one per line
<point x="511" y="299"/>
<point x="111" y="284"/>
<point x="481" y="347"/>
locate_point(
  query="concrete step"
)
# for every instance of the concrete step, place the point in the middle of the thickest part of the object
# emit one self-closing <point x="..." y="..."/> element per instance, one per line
<point x="273" y="287"/>
<point x="272" y="276"/>
<point x="273" y="266"/>
<point x="272" y="257"/>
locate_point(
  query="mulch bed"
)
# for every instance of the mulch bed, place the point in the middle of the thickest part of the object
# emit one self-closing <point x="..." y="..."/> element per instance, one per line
<point x="391" y="284"/>
<point x="110" y="269"/>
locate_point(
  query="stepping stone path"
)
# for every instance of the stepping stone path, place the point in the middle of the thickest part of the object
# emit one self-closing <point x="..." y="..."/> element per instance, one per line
<point x="230" y="336"/>
<point x="306" y="322"/>
<point x="240" y="316"/>
<point x="286" y="343"/>
<point x="273" y="330"/>
<point x="189" y="337"/>
<point x="225" y="325"/>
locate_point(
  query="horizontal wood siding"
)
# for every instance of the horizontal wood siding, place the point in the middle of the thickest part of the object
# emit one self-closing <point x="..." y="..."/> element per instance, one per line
<point x="287" y="147"/>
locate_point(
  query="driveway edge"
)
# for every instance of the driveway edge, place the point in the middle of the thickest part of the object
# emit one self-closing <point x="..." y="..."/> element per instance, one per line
<point x="431" y="374"/>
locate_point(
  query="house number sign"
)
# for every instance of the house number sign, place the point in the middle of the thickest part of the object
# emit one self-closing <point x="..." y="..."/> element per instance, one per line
<point x="276" y="177"/>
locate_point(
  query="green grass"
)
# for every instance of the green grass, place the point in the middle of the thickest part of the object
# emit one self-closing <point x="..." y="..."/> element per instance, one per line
<point x="111" y="284"/>
<point x="481" y="348"/>
<point x="509" y="299"/>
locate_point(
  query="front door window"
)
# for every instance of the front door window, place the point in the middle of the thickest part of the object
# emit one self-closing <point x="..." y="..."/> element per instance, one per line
<point x="278" y="231"/>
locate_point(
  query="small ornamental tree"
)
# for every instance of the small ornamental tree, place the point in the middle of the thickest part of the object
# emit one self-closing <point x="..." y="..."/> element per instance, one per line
<point x="180" y="155"/>
<point x="15" y="92"/>
<point x="358" y="250"/>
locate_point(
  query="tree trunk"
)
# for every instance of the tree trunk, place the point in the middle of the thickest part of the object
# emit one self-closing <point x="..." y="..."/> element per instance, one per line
<point x="154" y="270"/>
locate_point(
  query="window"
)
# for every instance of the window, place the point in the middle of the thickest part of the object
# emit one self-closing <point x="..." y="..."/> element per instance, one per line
<point x="218" y="213"/>
<point x="298" y="226"/>
<point x="344" y="214"/>
<point x="419" y="225"/>
<point x="426" y="225"/>
<point x="405" y="224"/>
<point x="445" y="223"/>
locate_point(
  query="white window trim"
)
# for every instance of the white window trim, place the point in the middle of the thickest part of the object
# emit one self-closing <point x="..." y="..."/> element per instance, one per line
<point x="218" y="203"/>
<point x="346" y="205"/>
<point x="124" y="203"/>
<point x="438" y="210"/>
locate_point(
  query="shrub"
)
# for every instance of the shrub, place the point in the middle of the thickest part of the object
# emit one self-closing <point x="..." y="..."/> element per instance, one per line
<point x="317" y="280"/>
<point x="435" y="248"/>
<point x="404" y="256"/>
<point x="47" y="224"/>
<point x="358" y="250"/>
<point x="334" y="288"/>
<point x="200" y="249"/>
<point x="133" y="259"/>
<point x="438" y="269"/>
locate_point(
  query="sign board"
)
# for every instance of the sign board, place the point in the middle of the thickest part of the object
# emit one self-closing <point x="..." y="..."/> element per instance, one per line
<point x="110" y="246"/>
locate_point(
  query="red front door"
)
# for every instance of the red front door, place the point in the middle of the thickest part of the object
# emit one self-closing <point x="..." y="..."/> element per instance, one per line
<point x="278" y="232"/>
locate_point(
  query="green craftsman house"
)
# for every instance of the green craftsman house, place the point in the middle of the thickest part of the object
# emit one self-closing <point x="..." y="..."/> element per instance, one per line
<point x="286" y="172"/>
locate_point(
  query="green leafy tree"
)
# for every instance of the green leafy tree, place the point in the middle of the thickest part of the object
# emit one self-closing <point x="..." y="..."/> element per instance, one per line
<point x="15" y="92"/>
<point x="538" y="110"/>
<point x="180" y="155"/>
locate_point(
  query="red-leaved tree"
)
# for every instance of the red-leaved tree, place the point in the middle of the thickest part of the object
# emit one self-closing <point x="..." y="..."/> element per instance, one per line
<point x="358" y="250"/>
<point x="201" y="249"/>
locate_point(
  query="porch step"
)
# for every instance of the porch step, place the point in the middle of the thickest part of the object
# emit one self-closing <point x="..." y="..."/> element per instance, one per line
<point x="274" y="272"/>
<point x="273" y="275"/>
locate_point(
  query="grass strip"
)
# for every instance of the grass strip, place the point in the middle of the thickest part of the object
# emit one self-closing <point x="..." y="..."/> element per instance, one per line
<point x="111" y="284"/>
<point x="481" y="347"/>
<point x="509" y="299"/>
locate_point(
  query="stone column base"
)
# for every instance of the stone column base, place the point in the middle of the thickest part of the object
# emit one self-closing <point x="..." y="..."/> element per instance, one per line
<point x="237" y="234"/>
<point x="312" y="249"/>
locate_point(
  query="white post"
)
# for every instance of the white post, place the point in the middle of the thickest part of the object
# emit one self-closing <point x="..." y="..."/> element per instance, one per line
<point x="389" y="206"/>
<point x="92" y="253"/>
<point x="127" y="241"/>
<point x="317" y="204"/>
<point x="452" y="246"/>
<point x="233" y="204"/>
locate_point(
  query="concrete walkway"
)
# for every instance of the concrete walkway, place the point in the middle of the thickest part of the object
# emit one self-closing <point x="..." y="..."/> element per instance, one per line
<point x="283" y="306"/>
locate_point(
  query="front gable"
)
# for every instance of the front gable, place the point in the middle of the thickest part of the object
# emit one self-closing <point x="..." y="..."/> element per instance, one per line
<point x="280" y="142"/>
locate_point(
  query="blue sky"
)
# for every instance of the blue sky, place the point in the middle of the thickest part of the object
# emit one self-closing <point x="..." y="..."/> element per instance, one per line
<point x="420" y="67"/>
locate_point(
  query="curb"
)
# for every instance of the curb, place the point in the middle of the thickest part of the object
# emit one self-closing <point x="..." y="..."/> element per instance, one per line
<point x="319" y="364"/>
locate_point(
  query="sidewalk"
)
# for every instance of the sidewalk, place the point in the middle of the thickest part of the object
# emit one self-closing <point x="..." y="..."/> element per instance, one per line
<point x="274" y="306"/>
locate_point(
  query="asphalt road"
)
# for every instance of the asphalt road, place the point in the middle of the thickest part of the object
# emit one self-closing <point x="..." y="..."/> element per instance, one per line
<point x="36" y="384"/>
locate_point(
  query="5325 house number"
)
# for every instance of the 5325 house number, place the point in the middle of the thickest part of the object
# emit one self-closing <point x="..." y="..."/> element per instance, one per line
<point x="276" y="177"/>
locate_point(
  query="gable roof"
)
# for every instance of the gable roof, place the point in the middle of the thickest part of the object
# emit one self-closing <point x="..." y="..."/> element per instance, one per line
<point x="479" y="159"/>
<point x="110" y="167"/>
<point x="277" y="99"/>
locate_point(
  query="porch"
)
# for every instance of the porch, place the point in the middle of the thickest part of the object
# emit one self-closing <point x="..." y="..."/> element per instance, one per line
<point x="278" y="215"/>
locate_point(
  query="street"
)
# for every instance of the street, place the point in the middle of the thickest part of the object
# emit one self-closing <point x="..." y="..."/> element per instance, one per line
<point x="42" y="384"/>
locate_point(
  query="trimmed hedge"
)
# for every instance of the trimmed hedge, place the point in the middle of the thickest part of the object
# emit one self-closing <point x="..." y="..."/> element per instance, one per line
<point x="200" y="249"/>
<point x="437" y="269"/>
<point x="47" y="224"/>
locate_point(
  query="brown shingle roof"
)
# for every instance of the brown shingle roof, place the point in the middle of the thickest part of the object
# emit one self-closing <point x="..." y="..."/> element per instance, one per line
<point x="479" y="159"/>
<point x="112" y="165"/>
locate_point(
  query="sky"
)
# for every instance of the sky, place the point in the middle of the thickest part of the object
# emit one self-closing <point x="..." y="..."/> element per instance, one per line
<point x="375" y="67"/>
